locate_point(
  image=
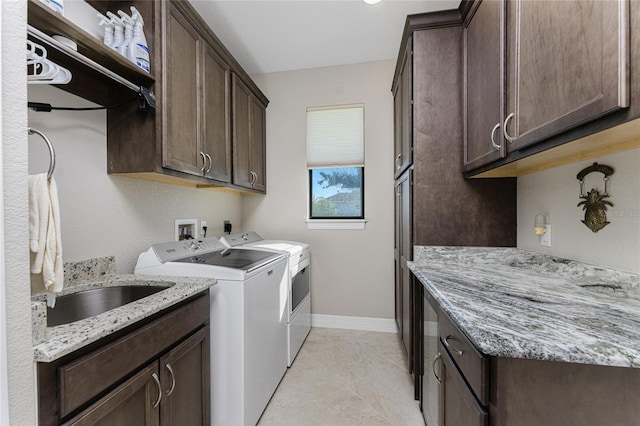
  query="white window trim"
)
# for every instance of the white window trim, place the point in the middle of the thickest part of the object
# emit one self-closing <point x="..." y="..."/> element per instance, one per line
<point x="336" y="224"/>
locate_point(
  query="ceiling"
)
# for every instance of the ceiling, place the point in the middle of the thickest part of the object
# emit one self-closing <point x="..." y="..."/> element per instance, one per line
<point x="280" y="35"/>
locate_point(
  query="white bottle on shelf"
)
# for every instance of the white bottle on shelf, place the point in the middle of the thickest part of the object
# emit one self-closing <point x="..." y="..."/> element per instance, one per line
<point x="56" y="5"/>
<point x="108" y="29"/>
<point x="138" y="49"/>
<point x="128" y="33"/>
<point x="118" y="28"/>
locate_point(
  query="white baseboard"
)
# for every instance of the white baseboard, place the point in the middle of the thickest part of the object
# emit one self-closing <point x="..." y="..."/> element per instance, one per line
<point x="354" y="323"/>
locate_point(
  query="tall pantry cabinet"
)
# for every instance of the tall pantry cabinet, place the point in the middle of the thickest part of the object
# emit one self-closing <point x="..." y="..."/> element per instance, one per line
<point x="435" y="204"/>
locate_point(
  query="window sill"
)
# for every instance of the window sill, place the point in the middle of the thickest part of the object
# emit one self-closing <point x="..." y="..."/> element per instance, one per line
<point x="357" y="224"/>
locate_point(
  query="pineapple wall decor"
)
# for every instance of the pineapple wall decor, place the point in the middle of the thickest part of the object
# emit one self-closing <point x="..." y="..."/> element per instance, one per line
<point x="595" y="203"/>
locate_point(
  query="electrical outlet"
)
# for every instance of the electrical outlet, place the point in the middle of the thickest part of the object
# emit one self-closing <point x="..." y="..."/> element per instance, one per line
<point x="203" y="223"/>
<point x="545" y="239"/>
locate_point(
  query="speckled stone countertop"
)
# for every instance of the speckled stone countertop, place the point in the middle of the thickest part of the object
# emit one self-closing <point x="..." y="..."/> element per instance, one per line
<point x="51" y="343"/>
<point x="520" y="304"/>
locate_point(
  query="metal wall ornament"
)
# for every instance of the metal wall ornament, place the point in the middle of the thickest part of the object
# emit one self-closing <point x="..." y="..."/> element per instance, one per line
<point x="594" y="203"/>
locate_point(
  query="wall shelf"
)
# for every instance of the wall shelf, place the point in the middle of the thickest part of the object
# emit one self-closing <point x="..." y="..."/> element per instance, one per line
<point x="92" y="56"/>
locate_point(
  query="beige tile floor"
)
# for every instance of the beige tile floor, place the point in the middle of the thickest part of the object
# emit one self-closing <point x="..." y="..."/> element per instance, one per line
<point x="345" y="377"/>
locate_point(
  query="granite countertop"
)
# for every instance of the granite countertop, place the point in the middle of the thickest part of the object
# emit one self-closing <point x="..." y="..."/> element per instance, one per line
<point x="51" y="343"/>
<point x="520" y="304"/>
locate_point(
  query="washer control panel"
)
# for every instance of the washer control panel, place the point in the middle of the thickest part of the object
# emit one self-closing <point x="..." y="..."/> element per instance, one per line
<point x="168" y="252"/>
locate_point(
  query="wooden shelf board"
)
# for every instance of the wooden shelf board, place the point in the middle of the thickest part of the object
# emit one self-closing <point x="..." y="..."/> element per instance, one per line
<point x="175" y="180"/>
<point x="46" y="20"/>
<point x="615" y="139"/>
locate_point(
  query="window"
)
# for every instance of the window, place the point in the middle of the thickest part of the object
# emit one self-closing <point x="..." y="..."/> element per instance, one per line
<point x="335" y="158"/>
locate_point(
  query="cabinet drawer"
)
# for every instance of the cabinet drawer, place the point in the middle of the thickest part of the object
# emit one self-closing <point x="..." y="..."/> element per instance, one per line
<point x="85" y="378"/>
<point x="460" y="407"/>
<point x="471" y="363"/>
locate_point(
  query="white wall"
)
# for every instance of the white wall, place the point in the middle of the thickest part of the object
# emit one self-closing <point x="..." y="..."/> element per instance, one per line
<point x="555" y="192"/>
<point x="14" y="193"/>
<point x="352" y="270"/>
<point x="106" y="215"/>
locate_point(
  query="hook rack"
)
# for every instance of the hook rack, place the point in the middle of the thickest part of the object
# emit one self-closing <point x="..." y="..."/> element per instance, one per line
<point x="52" y="154"/>
<point x="595" y="203"/>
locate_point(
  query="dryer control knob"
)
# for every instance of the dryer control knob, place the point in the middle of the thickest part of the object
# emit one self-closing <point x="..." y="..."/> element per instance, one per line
<point x="193" y="246"/>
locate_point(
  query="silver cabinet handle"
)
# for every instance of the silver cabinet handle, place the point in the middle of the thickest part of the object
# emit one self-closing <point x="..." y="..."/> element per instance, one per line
<point x="398" y="159"/>
<point x="433" y="367"/>
<point x="504" y="128"/>
<point x="448" y="345"/>
<point x="157" y="380"/>
<point x="173" y="379"/>
<point x="254" y="178"/>
<point x="204" y="162"/>
<point x="493" y="137"/>
<point x="210" y="163"/>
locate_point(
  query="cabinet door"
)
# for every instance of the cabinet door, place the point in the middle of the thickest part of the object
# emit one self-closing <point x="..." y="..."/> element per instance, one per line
<point x="567" y="64"/>
<point x="403" y="158"/>
<point x="459" y="406"/>
<point x="249" y="143"/>
<point x="396" y="255"/>
<point x="258" y="144"/>
<point x="431" y="375"/>
<point x="397" y="125"/>
<point x="216" y="120"/>
<point x="483" y="60"/>
<point x="241" y="134"/>
<point x="181" y="102"/>
<point x="134" y="403"/>
<point x="184" y="374"/>
<point x="406" y="253"/>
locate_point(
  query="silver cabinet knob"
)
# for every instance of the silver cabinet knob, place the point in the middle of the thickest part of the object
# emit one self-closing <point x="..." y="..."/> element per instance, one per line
<point x="173" y="379"/>
<point x="504" y="128"/>
<point x="204" y="161"/>
<point x="157" y="380"/>
<point x="493" y="137"/>
<point x="452" y="348"/>
<point x="436" y="358"/>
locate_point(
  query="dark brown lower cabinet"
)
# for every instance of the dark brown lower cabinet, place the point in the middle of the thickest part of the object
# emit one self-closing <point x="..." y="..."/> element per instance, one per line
<point x="184" y="374"/>
<point x="171" y="391"/>
<point x="154" y="373"/>
<point x="460" y="386"/>
<point x="132" y="403"/>
<point x="459" y="406"/>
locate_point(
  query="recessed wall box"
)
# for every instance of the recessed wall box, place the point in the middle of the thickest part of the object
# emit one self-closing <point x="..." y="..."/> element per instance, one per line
<point x="186" y="229"/>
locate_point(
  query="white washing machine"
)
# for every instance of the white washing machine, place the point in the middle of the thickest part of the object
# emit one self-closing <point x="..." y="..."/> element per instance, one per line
<point x="298" y="294"/>
<point x="248" y="319"/>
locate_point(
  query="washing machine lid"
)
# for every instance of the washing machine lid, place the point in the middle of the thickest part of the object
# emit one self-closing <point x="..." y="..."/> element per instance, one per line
<point x="252" y="239"/>
<point x="241" y="238"/>
<point x="243" y="259"/>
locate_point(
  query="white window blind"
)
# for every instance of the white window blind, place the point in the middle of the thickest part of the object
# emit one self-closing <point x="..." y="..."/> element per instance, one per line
<point x="335" y="136"/>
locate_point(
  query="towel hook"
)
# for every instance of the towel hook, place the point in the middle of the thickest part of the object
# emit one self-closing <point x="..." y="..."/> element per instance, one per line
<point x="52" y="154"/>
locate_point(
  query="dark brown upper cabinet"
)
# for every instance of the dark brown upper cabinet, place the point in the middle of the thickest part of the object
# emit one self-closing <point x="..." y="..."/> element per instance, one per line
<point x="182" y="101"/>
<point x="483" y="76"/>
<point x="249" y="143"/>
<point x="188" y="139"/>
<point x="216" y="116"/>
<point x="403" y="102"/>
<point x="568" y="63"/>
<point x="562" y="77"/>
<point x="196" y="137"/>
